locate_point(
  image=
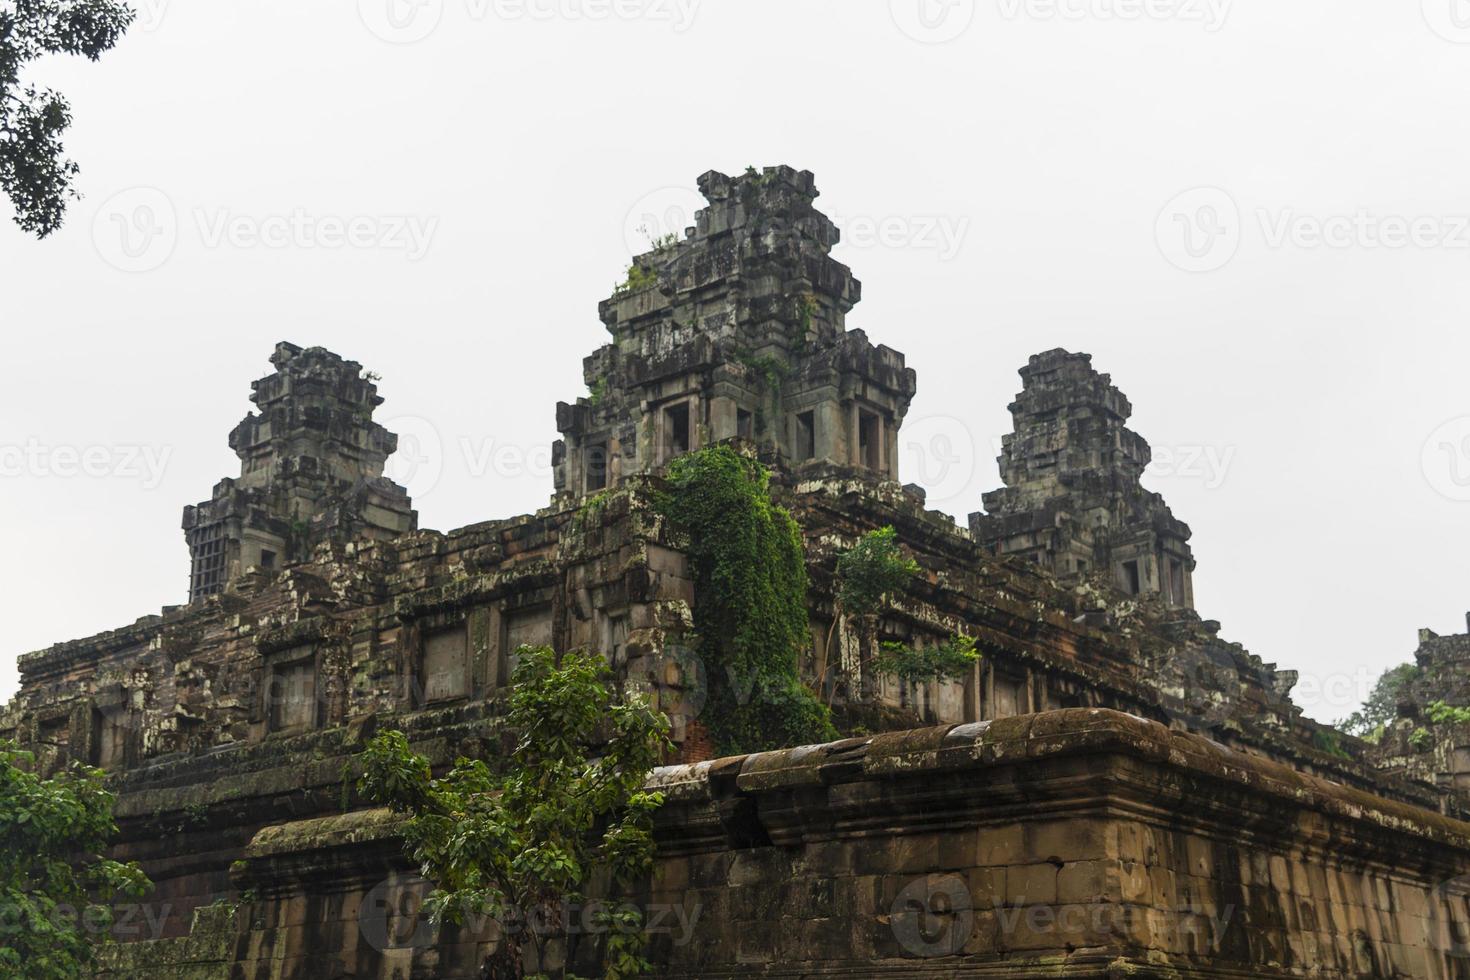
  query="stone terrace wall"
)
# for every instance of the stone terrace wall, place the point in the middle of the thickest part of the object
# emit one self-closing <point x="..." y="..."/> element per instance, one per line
<point x="1077" y="843"/>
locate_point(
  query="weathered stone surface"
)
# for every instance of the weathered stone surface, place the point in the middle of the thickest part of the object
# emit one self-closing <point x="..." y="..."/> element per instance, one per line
<point x="1072" y="500"/>
<point x="736" y="330"/>
<point x="311" y="470"/>
<point x="1084" y="843"/>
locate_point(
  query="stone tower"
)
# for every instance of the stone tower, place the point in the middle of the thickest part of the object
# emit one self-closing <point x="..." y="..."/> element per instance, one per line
<point x="311" y="470"/>
<point x="736" y="330"/>
<point x="1072" y="501"/>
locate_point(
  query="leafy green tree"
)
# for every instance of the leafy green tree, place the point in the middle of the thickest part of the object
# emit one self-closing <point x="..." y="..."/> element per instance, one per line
<point x="522" y="845"/>
<point x="1381" y="708"/>
<point x="33" y="171"/>
<point x="55" y="887"/>
<point x="750" y="612"/>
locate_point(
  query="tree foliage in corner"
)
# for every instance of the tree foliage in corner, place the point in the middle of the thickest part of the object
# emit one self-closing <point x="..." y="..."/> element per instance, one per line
<point x="750" y="611"/>
<point x="522" y="845"/>
<point x="55" y="887"/>
<point x="1381" y="708"/>
<point x="33" y="171"/>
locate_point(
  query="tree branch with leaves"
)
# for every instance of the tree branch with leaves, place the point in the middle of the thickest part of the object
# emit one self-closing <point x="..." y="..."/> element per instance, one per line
<point x="522" y="844"/>
<point x="34" y="171"/>
<point x="56" y="885"/>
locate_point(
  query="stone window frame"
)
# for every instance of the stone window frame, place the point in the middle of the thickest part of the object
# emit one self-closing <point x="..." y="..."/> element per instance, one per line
<point x="415" y="681"/>
<point x="112" y="701"/>
<point x="285" y="658"/>
<point x="74" y="717"/>
<point x="281" y="647"/>
<point x="884" y="429"/>
<point x="804" y="439"/>
<point x="664" y="447"/>
<point x="591" y="446"/>
<point x="498" y="597"/>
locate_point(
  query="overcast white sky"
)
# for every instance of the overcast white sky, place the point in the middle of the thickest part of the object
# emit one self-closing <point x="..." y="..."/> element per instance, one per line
<point x="1253" y="214"/>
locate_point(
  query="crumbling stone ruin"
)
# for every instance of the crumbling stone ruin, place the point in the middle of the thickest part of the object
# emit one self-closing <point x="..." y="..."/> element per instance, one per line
<point x="1430" y="738"/>
<point x="1072" y="500"/>
<point x="311" y="469"/>
<point x="1114" y="790"/>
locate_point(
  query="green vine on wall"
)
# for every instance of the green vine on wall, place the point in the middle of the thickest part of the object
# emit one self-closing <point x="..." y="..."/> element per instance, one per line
<point x="750" y="612"/>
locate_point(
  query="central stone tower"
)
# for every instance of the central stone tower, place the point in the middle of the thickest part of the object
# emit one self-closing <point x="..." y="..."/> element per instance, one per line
<point x="736" y="330"/>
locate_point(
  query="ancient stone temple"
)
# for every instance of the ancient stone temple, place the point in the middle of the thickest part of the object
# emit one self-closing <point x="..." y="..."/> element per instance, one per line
<point x="311" y="469"/>
<point x="1072" y="500"/>
<point x="1115" y="789"/>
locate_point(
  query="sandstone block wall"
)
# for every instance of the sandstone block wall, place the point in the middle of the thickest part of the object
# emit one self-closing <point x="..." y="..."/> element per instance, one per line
<point x="1076" y="843"/>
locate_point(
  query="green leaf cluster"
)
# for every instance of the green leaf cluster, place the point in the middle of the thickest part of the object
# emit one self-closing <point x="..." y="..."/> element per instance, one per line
<point x="872" y="569"/>
<point x="570" y="806"/>
<point x="750" y="612"/>
<point x="1444" y="714"/>
<point x="639" y="278"/>
<point x="1381" y="707"/>
<point x="950" y="660"/>
<point x="34" y="173"/>
<point x="55" y="886"/>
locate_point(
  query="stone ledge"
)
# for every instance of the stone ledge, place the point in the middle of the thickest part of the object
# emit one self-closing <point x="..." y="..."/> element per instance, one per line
<point x="1068" y="732"/>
